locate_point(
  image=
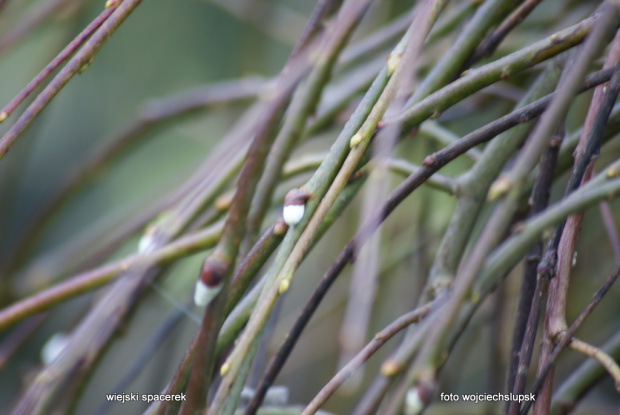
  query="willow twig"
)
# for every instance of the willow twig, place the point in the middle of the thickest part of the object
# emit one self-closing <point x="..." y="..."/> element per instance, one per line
<point x="433" y="164"/>
<point x="583" y="379"/>
<point x="284" y="275"/>
<point x="431" y="353"/>
<point x="30" y="22"/>
<point x="476" y="79"/>
<point x="303" y="104"/>
<point x="567" y="336"/>
<point x="566" y="234"/>
<point x="532" y="291"/>
<point x="448" y="66"/>
<point x="154" y="114"/>
<point x="488" y="45"/>
<point x="81" y="58"/>
<point x="360" y="358"/>
<point x="220" y="261"/>
<point x="600" y="356"/>
<point x="98" y="277"/>
<point x="239" y="312"/>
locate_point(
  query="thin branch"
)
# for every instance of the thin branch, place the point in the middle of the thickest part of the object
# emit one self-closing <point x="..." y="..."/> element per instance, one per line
<point x="566" y="235"/>
<point x="360" y="358"/>
<point x="239" y="315"/>
<point x="358" y="143"/>
<point x="567" y="336"/>
<point x="490" y="43"/>
<point x="474" y="186"/>
<point x="449" y="65"/>
<point x="600" y="356"/>
<point x="219" y="263"/>
<point x="433" y="164"/>
<point x="583" y="379"/>
<point x="430" y="356"/>
<point x="363" y="283"/>
<point x="75" y="65"/>
<point x="98" y="277"/>
<point x="503" y="68"/>
<point x="57" y="61"/>
<point x="532" y="292"/>
<point x="304" y="103"/>
<point x="154" y="114"/>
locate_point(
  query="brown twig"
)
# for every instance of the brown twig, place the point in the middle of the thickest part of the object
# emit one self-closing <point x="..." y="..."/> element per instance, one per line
<point x="30" y="22"/>
<point x="600" y="356"/>
<point x="589" y="144"/>
<point x="220" y="262"/>
<point x="488" y="45"/>
<point x="75" y="65"/>
<point x="360" y="358"/>
<point x="431" y="165"/>
<point x="100" y="276"/>
<point x="566" y="336"/>
<point x="526" y="319"/>
<point x="57" y="61"/>
<point x="511" y="185"/>
<point x="154" y="114"/>
<point x="583" y="379"/>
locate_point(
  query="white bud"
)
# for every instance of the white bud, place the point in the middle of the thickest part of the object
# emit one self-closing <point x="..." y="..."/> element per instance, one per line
<point x="203" y="294"/>
<point x="146" y="244"/>
<point x="54" y="347"/>
<point x="292" y="214"/>
<point x="413" y="403"/>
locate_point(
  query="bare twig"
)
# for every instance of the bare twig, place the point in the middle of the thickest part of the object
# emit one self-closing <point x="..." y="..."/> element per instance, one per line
<point x="433" y="163"/>
<point x="567" y="335"/>
<point x="583" y="379"/>
<point x="76" y="64"/>
<point x="600" y="356"/>
<point x="98" y="277"/>
<point x="379" y="340"/>
<point x="56" y="62"/>
<point x="30" y="23"/>
<point x="589" y="144"/>
<point x="430" y="356"/>
<point x="488" y="45"/>
<point x="532" y="292"/>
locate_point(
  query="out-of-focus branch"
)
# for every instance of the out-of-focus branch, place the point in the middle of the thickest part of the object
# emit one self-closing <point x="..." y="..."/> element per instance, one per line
<point x="154" y="114"/>
<point x="98" y="277"/>
<point x="75" y="65"/>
